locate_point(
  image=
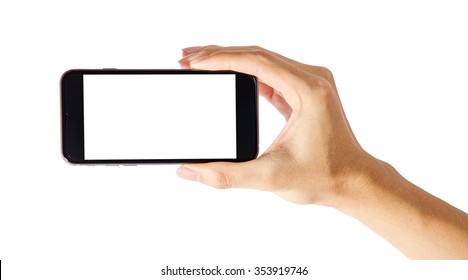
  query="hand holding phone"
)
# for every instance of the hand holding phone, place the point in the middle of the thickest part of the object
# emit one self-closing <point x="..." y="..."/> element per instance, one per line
<point x="158" y="116"/>
<point x="316" y="159"/>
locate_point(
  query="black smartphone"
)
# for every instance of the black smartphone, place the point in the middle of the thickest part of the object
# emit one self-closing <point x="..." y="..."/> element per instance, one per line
<point x="118" y="116"/>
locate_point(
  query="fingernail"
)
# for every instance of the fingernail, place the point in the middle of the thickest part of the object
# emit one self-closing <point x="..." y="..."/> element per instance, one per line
<point x="184" y="65"/>
<point x="191" y="50"/>
<point x="188" y="173"/>
<point x="187" y="57"/>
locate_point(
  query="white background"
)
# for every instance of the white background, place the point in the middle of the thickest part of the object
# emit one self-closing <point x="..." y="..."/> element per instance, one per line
<point x="401" y="70"/>
<point x="159" y="116"/>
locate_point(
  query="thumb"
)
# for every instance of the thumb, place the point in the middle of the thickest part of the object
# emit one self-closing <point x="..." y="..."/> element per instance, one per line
<point x="224" y="175"/>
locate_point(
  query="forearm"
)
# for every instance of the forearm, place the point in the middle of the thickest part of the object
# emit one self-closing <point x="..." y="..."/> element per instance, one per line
<point x="419" y="224"/>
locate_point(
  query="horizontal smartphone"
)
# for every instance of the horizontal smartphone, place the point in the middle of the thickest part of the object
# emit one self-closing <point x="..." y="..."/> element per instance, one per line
<point x="113" y="116"/>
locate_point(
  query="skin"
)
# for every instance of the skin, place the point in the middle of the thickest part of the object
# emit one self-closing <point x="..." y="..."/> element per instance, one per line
<point x="316" y="158"/>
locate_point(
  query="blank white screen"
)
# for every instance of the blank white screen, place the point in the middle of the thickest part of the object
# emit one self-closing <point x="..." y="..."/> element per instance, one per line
<point x="184" y="116"/>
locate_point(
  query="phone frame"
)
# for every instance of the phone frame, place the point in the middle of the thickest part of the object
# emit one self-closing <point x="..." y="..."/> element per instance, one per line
<point x="72" y="116"/>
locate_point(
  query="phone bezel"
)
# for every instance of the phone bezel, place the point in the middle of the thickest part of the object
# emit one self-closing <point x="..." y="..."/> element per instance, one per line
<point x="73" y="122"/>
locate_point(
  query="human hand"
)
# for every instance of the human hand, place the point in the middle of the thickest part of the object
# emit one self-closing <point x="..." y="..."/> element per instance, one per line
<point x="315" y="154"/>
<point x="317" y="159"/>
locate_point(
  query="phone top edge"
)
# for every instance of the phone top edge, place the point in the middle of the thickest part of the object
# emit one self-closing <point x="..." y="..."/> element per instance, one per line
<point x="146" y="71"/>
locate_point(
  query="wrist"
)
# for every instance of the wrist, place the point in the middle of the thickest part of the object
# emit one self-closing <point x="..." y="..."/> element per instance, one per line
<point x="405" y="215"/>
<point x="357" y="183"/>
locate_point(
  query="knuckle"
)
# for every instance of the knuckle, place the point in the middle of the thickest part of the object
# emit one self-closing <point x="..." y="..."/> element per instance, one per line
<point x="326" y="73"/>
<point x="279" y="160"/>
<point x="222" y="180"/>
<point x="208" y="49"/>
<point x="260" y="53"/>
<point x="320" y="86"/>
<point x="211" y="47"/>
<point x="256" y="48"/>
<point x="322" y="72"/>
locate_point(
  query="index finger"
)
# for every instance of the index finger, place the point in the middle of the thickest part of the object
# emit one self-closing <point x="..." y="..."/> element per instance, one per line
<point x="265" y="65"/>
